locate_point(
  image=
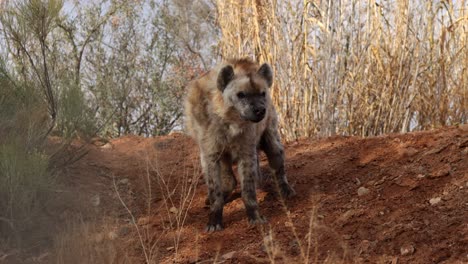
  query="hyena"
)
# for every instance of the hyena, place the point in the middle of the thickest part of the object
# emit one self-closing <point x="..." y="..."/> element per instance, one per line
<point x="228" y="111"/>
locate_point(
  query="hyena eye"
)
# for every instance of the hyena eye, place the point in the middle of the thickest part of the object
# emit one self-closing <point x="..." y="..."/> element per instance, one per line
<point x="263" y="94"/>
<point x="240" y="95"/>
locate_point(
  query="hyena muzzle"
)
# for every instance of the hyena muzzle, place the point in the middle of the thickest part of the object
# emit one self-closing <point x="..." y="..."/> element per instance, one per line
<point x="228" y="111"/>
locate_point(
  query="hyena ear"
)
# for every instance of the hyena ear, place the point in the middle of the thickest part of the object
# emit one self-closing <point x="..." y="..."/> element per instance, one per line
<point x="225" y="76"/>
<point x="267" y="73"/>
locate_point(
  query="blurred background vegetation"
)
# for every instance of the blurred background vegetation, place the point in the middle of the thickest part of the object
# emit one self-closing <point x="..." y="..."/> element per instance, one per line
<point x="342" y="67"/>
<point x="76" y="69"/>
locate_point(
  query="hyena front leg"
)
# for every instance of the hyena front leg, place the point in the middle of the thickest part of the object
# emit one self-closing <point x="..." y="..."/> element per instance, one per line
<point x="228" y="180"/>
<point x="271" y="145"/>
<point x="247" y="171"/>
<point x="212" y="170"/>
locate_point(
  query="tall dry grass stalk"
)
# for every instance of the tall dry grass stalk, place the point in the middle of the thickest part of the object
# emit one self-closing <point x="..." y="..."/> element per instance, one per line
<point x="355" y="67"/>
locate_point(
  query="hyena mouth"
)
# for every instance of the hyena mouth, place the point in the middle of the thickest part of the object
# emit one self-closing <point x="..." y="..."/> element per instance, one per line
<point x="254" y="115"/>
<point x="255" y="118"/>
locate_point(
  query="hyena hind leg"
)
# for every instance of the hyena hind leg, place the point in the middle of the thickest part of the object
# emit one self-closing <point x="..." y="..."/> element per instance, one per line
<point x="271" y="144"/>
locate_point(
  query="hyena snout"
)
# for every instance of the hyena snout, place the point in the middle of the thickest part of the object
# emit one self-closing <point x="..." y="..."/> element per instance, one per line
<point x="256" y="111"/>
<point x="259" y="114"/>
<point x="256" y="114"/>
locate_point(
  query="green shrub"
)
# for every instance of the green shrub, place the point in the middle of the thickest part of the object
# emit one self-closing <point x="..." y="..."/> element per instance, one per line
<point x="74" y="116"/>
<point x="25" y="183"/>
<point x="25" y="186"/>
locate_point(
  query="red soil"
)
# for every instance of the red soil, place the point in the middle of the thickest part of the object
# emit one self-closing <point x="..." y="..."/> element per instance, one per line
<point x="401" y="172"/>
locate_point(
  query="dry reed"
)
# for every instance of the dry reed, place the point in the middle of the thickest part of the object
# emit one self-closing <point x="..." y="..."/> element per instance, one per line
<point x="355" y="67"/>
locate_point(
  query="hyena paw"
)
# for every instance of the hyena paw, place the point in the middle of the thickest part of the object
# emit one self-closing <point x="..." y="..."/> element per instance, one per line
<point x="210" y="228"/>
<point x="259" y="220"/>
<point x="287" y="191"/>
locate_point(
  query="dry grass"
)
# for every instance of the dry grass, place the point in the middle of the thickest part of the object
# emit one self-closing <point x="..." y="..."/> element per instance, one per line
<point x="356" y="67"/>
<point x="88" y="242"/>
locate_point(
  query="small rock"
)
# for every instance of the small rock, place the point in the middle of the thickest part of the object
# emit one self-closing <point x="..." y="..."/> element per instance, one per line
<point x="410" y="152"/>
<point x="193" y="260"/>
<point x="364" y="246"/>
<point x="442" y="172"/>
<point x="420" y="176"/>
<point x="228" y="255"/>
<point x="294" y="247"/>
<point x="434" y="201"/>
<point x="381" y="213"/>
<point x="96" y="200"/>
<point x="123" y="231"/>
<point x="98" y="238"/>
<point x="170" y="248"/>
<point x="288" y="224"/>
<point x="143" y="221"/>
<point x="174" y="210"/>
<point x="358" y="182"/>
<point x="465" y="151"/>
<point x="112" y="235"/>
<point x="320" y="216"/>
<point x="407" y="250"/>
<point x="107" y="146"/>
<point x="124" y="181"/>
<point x="362" y="191"/>
<point x="347" y="237"/>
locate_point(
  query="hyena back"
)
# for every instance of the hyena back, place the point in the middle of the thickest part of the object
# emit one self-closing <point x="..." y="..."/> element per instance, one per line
<point x="228" y="111"/>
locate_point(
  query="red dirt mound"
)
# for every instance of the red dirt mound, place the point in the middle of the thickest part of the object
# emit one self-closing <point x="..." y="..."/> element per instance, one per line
<point x="400" y="198"/>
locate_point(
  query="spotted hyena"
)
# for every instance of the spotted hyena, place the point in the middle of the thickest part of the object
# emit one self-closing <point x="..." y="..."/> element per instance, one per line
<point x="228" y="111"/>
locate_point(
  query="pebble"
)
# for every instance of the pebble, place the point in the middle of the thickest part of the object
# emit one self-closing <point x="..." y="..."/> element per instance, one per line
<point x="362" y="191"/>
<point x="143" y="220"/>
<point x="123" y="231"/>
<point x="107" y="146"/>
<point x="174" y="210"/>
<point x="170" y="248"/>
<point x="434" y="201"/>
<point x="98" y="238"/>
<point x="228" y="255"/>
<point x="96" y="200"/>
<point x="407" y="250"/>
<point x="124" y="181"/>
<point x="358" y="182"/>
<point x="364" y="246"/>
<point x="112" y="235"/>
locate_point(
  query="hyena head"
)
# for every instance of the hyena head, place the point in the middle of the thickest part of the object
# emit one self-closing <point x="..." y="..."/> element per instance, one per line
<point x="246" y="93"/>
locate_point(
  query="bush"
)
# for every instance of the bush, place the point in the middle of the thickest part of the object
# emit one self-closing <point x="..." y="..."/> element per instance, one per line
<point x="25" y="183"/>
<point x="74" y="115"/>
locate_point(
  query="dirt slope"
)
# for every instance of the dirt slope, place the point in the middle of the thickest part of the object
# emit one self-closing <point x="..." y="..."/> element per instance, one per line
<point x="388" y="199"/>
